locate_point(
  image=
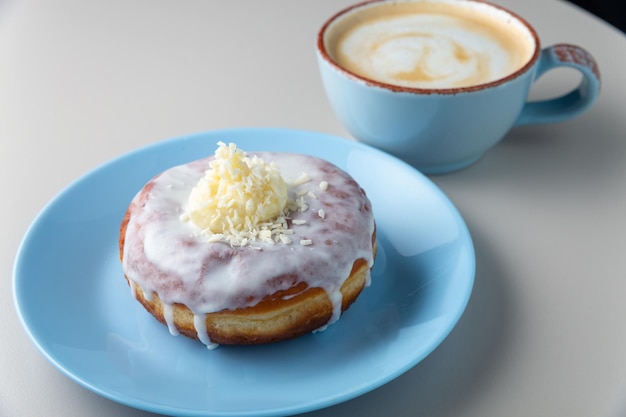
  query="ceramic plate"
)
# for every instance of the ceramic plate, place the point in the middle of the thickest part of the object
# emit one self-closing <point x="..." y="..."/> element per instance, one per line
<point x="76" y="307"/>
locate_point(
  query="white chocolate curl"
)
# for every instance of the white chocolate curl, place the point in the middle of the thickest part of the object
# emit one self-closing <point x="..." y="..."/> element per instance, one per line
<point x="237" y="192"/>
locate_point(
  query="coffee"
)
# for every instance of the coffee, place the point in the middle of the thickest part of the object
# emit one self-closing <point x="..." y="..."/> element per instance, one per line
<point x="429" y="44"/>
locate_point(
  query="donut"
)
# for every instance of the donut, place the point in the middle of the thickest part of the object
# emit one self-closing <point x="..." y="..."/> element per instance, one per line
<point x="227" y="278"/>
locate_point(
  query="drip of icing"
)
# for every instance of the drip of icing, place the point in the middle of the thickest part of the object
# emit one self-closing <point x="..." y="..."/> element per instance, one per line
<point x="133" y="288"/>
<point x="168" y="315"/>
<point x="336" y="299"/>
<point x="199" y="323"/>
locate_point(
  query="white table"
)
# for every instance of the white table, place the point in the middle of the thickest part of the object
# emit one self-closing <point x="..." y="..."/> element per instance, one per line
<point x="544" y="333"/>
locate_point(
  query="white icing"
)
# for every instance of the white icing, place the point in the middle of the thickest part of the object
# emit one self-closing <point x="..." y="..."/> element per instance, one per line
<point x="199" y="323"/>
<point x="168" y="315"/>
<point x="335" y="299"/>
<point x="165" y="255"/>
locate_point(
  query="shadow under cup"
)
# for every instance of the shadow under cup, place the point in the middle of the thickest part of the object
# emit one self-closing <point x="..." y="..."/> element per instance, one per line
<point x="399" y="82"/>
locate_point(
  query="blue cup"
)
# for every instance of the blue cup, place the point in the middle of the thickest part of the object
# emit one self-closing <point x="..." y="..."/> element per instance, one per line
<point x="440" y="130"/>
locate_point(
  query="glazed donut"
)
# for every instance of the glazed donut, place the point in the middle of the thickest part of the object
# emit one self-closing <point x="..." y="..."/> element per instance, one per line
<point x="297" y="276"/>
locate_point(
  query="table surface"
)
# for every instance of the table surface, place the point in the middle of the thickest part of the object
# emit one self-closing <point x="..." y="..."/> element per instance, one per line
<point x="543" y="334"/>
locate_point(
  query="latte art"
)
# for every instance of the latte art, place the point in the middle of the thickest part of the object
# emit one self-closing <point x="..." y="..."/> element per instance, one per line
<point x="430" y="45"/>
<point x="415" y="57"/>
<point x="434" y="57"/>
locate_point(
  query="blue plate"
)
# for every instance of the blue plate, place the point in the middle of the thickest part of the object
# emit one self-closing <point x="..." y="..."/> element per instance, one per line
<point x="76" y="307"/>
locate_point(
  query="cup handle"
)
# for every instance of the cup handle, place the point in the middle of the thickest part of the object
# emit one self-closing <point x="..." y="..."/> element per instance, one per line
<point x="573" y="103"/>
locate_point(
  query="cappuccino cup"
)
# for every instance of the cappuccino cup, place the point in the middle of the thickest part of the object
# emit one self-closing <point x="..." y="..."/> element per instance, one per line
<point x="439" y="82"/>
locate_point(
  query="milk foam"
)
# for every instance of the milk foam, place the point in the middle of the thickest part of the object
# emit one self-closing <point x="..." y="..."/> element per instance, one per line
<point x="430" y="44"/>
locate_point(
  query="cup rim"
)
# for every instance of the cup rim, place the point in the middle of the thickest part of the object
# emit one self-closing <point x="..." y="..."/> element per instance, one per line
<point x="321" y="48"/>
